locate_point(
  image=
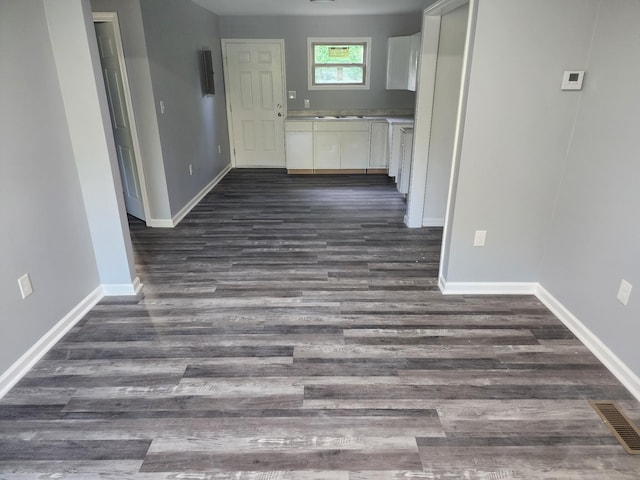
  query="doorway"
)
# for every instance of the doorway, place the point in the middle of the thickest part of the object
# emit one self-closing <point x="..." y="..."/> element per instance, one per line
<point x="121" y="112"/>
<point x="446" y="51"/>
<point x="254" y="75"/>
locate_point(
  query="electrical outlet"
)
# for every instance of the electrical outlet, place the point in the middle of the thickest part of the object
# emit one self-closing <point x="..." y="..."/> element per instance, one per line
<point x="480" y="238"/>
<point x="161" y="107"/>
<point x="292" y="94"/>
<point x="307" y="103"/>
<point x="26" y="288"/>
<point x="190" y="169"/>
<point x="624" y="292"/>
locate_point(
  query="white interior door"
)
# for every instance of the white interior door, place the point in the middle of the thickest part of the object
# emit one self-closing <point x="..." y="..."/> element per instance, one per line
<point x="114" y="83"/>
<point x="255" y="96"/>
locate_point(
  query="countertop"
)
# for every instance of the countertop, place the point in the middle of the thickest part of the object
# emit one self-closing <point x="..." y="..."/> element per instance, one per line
<point x="320" y="118"/>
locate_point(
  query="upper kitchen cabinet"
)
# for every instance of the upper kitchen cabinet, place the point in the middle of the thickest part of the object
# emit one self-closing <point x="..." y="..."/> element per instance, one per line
<point x="402" y="62"/>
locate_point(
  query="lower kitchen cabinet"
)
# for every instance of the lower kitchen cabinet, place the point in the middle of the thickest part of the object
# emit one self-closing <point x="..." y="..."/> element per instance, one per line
<point x="406" y="157"/>
<point x="341" y="145"/>
<point x="328" y="145"/>
<point x="395" y="144"/>
<point x="299" y="146"/>
<point x="378" y="150"/>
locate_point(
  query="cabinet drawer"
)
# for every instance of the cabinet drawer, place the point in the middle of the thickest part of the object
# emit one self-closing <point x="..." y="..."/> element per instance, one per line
<point x="297" y="126"/>
<point x="341" y="126"/>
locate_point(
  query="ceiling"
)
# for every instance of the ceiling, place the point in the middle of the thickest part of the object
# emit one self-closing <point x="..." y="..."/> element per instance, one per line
<point x="305" y="7"/>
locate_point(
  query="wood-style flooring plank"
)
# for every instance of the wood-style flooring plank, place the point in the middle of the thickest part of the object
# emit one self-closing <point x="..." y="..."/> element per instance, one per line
<point x="291" y="328"/>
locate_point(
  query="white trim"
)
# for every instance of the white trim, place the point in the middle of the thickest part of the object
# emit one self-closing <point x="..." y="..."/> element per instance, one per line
<point x="225" y="73"/>
<point x="442" y="283"/>
<point x="184" y="211"/>
<point x="610" y="360"/>
<point x="443" y="7"/>
<point x="487" y="288"/>
<point x="425" y="97"/>
<point x="122" y="289"/>
<point x="345" y="40"/>
<point x="20" y="368"/>
<point x="112" y="17"/>
<point x="160" y="223"/>
<point x="177" y="218"/>
<point x="433" y="222"/>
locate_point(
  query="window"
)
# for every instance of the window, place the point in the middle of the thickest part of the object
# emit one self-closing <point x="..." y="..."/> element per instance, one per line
<point x="339" y="63"/>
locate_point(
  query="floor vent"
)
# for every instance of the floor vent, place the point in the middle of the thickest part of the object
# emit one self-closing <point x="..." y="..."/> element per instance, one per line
<point x="625" y="431"/>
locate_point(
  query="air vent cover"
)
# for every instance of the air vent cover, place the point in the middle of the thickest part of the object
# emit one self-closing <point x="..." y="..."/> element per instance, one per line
<point x="625" y="431"/>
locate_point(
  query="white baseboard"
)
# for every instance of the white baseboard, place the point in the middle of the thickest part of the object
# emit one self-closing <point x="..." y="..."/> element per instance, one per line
<point x="410" y="223"/>
<point x="122" y="289"/>
<point x="609" y="359"/>
<point x="16" y="371"/>
<point x="487" y="288"/>
<point x="433" y="222"/>
<point x="160" y="223"/>
<point x="177" y="218"/>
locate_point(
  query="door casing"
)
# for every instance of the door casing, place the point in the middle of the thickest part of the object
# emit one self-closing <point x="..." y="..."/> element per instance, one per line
<point x="112" y="19"/>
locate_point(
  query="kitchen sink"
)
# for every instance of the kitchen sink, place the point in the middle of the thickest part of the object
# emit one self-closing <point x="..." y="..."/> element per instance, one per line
<point x="340" y="117"/>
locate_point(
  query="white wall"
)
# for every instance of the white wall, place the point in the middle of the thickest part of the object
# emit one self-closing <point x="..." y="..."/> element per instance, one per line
<point x="517" y="130"/>
<point x="594" y="239"/>
<point x="144" y="108"/>
<point x="44" y="227"/>
<point x="453" y="31"/>
<point x="295" y="30"/>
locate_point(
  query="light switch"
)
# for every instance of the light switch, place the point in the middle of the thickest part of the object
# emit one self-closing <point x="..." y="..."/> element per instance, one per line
<point x="292" y="94"/>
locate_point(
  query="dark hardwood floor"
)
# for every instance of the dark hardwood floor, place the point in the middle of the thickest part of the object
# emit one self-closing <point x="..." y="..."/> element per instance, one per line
<point x="291" y="328"/>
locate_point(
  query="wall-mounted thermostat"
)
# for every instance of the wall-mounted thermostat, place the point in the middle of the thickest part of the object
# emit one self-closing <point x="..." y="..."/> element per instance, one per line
<point x="572" y="80"/>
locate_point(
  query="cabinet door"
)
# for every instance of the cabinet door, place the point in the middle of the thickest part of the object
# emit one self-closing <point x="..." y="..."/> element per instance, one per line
<point x="299" y="150"/>
<point x="326" y="150"/>
<point x="395" y="150"/>
<point x="354" y="150"/>
<point x="404" y="174"/>
<point x="378" y="155"/>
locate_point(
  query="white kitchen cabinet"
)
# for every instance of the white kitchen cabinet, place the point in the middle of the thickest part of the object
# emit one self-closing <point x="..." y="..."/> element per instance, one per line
<point x="402" y="62"/>
<point x="378" y="152"/>
<point x="395" y="144"/>
<point x="299" y="145"/>
<point x="406" y="157"/>
<point x="341" y="145"/>
<point x="326" y="150"/>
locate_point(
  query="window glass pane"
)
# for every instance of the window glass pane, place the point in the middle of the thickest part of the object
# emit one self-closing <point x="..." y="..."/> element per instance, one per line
<point x="340" y="75"/>
<point x="338" y="53"/>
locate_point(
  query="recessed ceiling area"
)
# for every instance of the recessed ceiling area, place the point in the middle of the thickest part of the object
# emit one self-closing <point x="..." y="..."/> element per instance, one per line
<point x="305" y="7"/>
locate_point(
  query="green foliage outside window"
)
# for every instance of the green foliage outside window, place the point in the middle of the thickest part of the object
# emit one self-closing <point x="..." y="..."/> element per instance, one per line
<point x="338" y="64"/>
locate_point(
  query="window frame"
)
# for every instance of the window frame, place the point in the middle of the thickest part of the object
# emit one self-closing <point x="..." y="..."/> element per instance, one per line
<point x="366" y="65"/>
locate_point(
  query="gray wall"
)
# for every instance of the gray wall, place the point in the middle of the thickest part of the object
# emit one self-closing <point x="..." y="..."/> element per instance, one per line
<point x="552" y="175"/>
<point x="595" y="233"/>
<point x="453" y="31"/>
<point x="193" y="125"/>
<point x="295" y="30"/>
<point x="75" y="51"/>
<point x="45" y="230"/>
<point x="144" y="110"/>
<point x="517" y="130"/>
